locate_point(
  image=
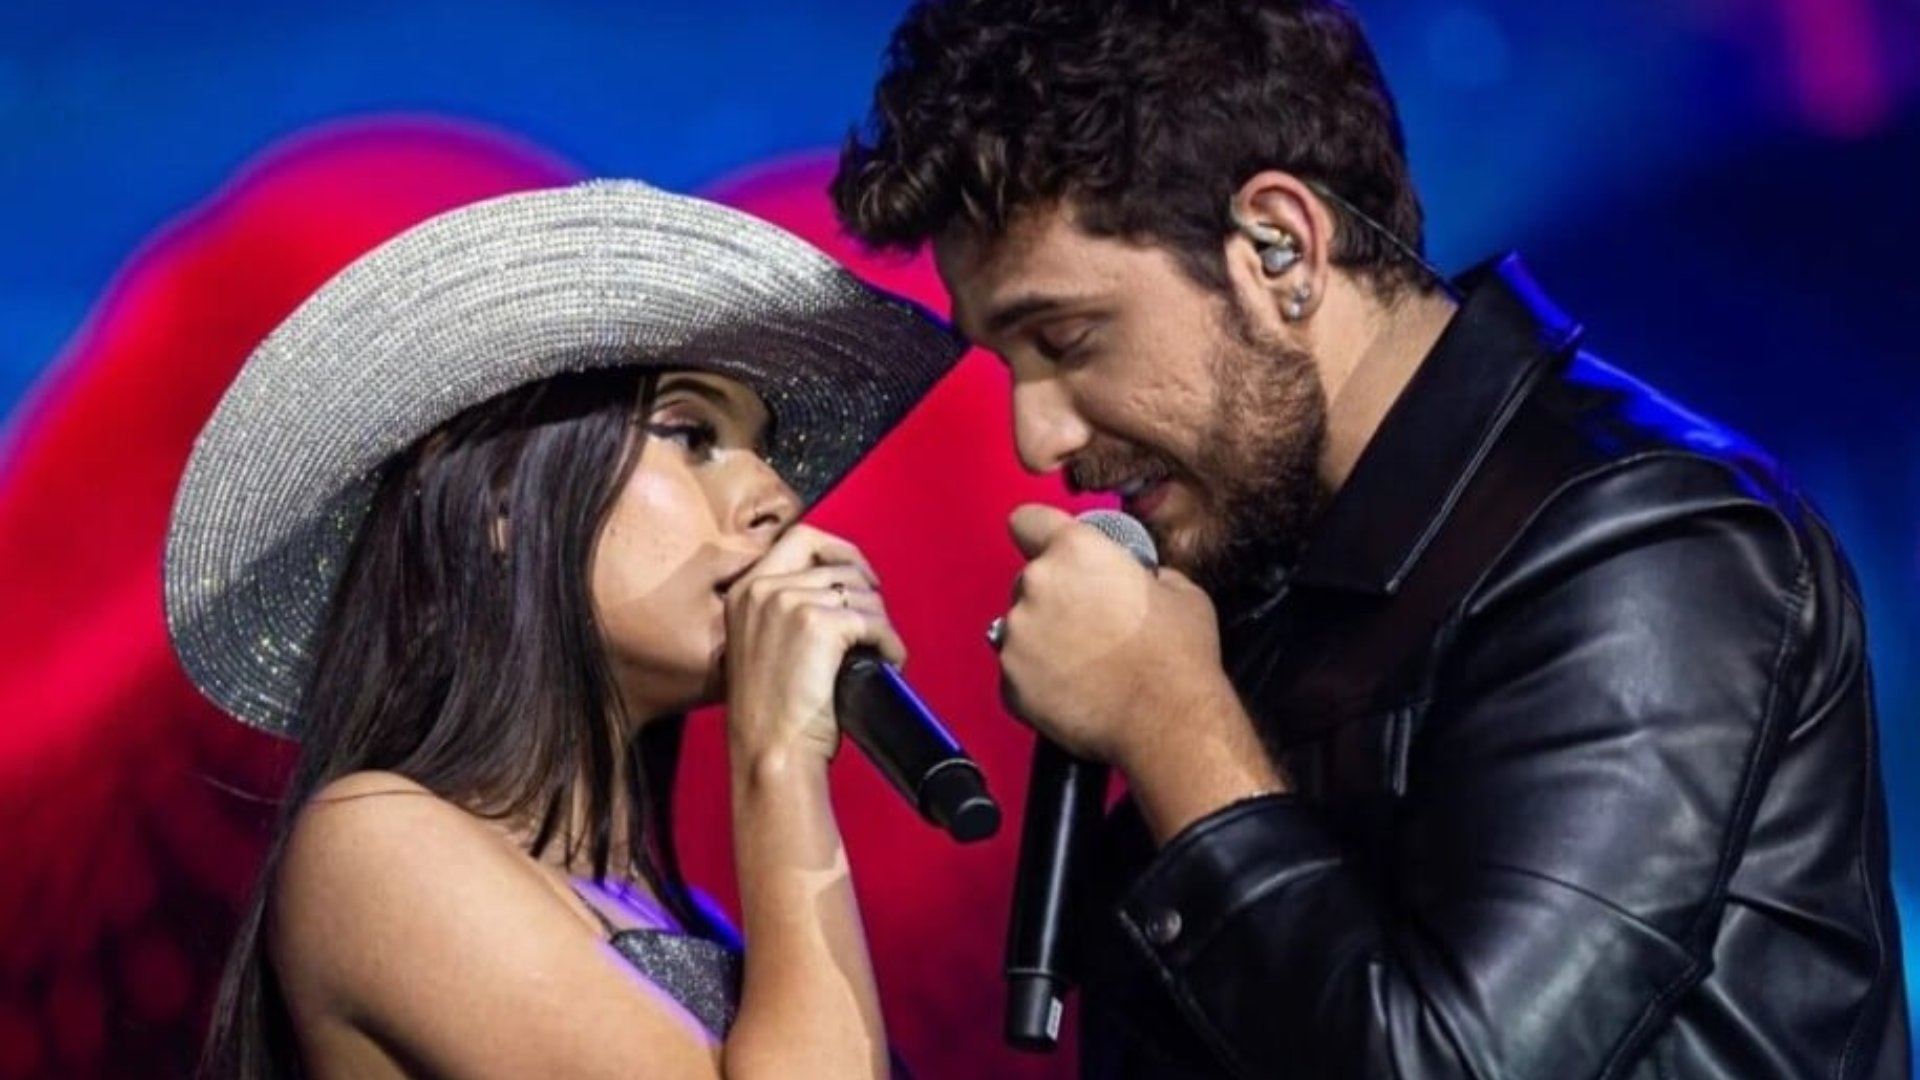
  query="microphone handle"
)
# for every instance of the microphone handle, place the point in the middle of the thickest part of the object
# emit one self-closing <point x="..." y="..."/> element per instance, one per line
<point x="1065" y="798"/>
<point x="881" y="714"/>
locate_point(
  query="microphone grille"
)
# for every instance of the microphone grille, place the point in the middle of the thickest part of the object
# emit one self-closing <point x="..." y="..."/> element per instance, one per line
<point x="1125" y="530"/>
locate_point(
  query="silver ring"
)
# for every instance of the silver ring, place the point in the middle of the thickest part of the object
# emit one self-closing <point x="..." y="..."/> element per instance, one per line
<point x="997" y="632"/>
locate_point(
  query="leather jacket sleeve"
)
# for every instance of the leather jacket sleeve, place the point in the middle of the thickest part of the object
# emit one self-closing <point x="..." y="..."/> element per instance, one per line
<point x="1604" y="714"/>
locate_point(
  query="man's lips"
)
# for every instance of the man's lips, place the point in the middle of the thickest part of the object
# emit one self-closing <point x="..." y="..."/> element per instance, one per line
<point x="1142" y="499"/>
<point x="1141" y="485"/>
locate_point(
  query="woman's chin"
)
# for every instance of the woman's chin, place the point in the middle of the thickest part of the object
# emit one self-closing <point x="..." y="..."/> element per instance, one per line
<point x="711" y="698"/>
<point x="704" y="690"/>
<point x="659" y="689"/>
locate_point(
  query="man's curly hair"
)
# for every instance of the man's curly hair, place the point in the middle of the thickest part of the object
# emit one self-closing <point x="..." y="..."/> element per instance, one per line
<point x="1144" y="115"/>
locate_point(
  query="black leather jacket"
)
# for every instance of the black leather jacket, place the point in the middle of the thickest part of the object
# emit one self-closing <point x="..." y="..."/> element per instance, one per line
<point x="1573" y="688"/>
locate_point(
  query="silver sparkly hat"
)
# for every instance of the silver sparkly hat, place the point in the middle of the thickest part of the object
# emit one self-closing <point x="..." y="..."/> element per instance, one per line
<point x="469" y="305"/>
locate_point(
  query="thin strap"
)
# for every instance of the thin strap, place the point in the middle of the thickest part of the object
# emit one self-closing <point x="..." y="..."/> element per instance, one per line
<point x="605" y="923"/>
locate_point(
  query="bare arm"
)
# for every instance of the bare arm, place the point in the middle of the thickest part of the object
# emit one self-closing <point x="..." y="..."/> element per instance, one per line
<point x="809" y="1006"/>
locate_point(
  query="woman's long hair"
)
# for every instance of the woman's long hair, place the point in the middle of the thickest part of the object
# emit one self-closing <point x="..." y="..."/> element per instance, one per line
<point x="473" y="562"/>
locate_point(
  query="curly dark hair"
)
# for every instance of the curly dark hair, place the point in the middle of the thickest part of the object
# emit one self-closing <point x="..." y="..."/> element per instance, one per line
<point x="1144" y="115"/>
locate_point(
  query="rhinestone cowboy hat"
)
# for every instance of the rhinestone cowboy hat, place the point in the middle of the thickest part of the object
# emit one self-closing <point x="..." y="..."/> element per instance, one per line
<point x="464" y="307"/>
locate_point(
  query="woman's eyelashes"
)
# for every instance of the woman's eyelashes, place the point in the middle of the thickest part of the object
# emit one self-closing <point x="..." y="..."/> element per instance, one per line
<point x="698" y="437"/>
<point x="704" y="438"/>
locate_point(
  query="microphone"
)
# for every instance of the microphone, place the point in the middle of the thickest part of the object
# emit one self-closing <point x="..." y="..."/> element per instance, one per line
<point x="901" y="736"/>
<point x="1065" y="797"/>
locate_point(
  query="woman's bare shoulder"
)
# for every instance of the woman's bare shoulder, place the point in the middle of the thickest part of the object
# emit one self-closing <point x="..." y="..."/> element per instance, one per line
<point x="398" y="913"/>
<point x="374" y="863"/>
<point x="384" y="824"/>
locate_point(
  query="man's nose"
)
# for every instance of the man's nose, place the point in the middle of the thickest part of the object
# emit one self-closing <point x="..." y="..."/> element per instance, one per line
<point x="1047" y="429"/>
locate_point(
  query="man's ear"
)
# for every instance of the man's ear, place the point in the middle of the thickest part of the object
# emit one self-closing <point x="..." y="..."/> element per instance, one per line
<point x="1281" y="246"/>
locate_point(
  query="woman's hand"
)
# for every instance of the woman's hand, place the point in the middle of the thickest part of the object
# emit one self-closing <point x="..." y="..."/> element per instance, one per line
<point x="791" y="619"/>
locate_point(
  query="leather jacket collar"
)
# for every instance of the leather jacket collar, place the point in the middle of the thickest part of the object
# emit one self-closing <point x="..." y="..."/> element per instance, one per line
<point x="1426" y="450"/>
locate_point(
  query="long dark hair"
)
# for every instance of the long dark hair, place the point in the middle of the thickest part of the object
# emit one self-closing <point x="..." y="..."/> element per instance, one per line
<point x="474" y="561"/>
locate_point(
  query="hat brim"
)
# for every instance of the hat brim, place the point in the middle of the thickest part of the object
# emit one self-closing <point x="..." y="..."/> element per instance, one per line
<point x="467" y="306"/>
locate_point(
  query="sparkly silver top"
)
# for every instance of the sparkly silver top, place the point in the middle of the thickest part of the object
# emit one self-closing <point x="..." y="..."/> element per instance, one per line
<point x="469" y="305"/>
<point x="702" y="975"/>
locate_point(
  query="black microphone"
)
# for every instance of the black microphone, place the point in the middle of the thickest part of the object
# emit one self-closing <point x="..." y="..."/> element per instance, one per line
<point x="901" y="736"/>
<point x="1065" y="797"/>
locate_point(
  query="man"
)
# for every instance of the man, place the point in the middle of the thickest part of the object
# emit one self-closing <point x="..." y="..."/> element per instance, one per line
<point x="1491" y="716"/>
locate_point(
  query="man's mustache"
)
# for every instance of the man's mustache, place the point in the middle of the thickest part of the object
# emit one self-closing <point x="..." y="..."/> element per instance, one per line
<point x="1104" y="470"/>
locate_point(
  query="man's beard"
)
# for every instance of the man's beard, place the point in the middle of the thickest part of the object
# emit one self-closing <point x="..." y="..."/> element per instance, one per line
<point x="1261" y="460"/>
<point x="1258" y="463"/>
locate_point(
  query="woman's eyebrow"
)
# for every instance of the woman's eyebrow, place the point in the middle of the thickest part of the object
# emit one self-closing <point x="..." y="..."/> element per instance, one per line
<point x="703" y="390"/>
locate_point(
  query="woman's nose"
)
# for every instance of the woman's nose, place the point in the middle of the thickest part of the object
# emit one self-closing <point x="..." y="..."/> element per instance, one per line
<point x="767" y="504"/>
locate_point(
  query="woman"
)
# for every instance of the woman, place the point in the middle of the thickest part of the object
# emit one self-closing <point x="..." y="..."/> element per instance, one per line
<point x="478" y="524"/>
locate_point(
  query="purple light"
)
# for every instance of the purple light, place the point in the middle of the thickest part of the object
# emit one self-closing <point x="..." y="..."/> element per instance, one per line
<point x="1835" y="69"/>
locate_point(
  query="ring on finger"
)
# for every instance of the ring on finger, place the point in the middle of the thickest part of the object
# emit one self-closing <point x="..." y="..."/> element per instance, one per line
<point x="840" y="590"/>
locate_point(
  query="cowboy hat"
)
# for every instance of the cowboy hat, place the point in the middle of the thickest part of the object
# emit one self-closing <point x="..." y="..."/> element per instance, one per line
<point x="471" y="304"/>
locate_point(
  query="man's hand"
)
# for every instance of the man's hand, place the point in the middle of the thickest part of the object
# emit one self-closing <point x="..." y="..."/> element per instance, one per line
<point x="1095" y="643"/>
<point x="1120" y="664"/>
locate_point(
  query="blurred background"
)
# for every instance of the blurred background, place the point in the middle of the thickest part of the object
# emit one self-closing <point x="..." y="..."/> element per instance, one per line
<point x="1723" y="190"/>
